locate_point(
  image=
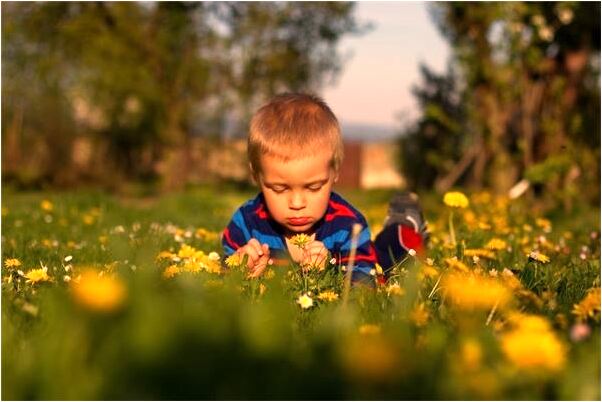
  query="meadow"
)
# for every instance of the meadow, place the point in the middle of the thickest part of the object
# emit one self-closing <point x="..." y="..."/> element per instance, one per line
<point x="107" y="297"/>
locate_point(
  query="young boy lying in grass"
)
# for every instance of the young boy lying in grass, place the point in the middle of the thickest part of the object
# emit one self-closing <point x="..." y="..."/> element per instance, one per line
<point x="295" y="151"/>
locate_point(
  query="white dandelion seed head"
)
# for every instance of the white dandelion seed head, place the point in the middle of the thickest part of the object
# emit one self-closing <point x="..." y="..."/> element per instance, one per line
<point x="412" y="252"/>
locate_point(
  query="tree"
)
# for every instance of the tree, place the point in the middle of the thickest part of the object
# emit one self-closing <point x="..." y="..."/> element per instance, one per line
<point x="141" y="78"/>
<point x="526" y="72"/>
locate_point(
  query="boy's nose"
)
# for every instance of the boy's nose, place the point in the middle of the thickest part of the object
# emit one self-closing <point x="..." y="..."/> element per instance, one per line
<point x="296" y="201"/>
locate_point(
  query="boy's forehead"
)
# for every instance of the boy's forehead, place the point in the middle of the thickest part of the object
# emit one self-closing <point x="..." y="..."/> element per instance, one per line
<point x="307" y="168"/>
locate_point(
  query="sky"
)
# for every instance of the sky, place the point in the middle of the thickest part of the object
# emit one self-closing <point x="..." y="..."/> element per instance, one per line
<point x="374" y="87"/>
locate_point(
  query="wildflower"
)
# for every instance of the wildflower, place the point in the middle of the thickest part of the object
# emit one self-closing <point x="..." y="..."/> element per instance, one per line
<point x="213" y="256"/>
<point x="532" y="345"/>
<point x="66" y="278"/>
<point x="164" y="255"/>
<point x="328" y="295"/>
<point x="589" y="306"/>
<point x="455" y="199"/>
<point x="300" y="240"/>
<point x="456" y="264"/>
<point x="427" y="271"/>
<point x="46" y="205"/>
<point x="37" y="275"/>
<point x="430" y="261"/>
<point x="98" y="293"/>
<point x="305" y="301"/>
<point x="395" y="289"/>
<point x="379" y="269"/>
<point x="88" y="219"/>
<point x="233" y="261"/>
<point x="369" y="329"/>
<point x="539" y="257"/>
<point x="68" y="258"/>
<point x="479" y="252"/>
<point x="471" y="354"/>
<point x="496" y="244"/>
<point x="475" y="292"/>
<point x="171" y="271"/>
<point x="419" y="315"/>
<point x="12" y="263"/>
<point x="412" y="252"/>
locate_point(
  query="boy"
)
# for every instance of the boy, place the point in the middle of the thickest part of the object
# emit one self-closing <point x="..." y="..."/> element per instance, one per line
<point x="295" y="151"/>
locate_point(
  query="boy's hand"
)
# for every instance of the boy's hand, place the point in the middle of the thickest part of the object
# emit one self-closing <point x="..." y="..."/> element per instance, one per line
<point x="315" y="255"/>
<point x="259" y="257"/>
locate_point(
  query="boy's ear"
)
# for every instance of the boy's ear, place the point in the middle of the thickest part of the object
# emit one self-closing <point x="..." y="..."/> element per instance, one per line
<point x="336" y="176"/>
<point x="254" y="178"/>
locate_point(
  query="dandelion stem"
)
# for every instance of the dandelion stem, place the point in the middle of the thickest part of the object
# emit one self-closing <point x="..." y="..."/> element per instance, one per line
<point x="355" y="232"/>
<point x="435" y="287"/>
<point x="452" y="232"/>
<point x="491" y="313"/>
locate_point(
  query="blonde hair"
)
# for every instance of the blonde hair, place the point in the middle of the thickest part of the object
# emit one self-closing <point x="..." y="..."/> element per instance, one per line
<point x="293" y="126"/>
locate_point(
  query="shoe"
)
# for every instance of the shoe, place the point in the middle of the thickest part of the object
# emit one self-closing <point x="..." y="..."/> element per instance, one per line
<point x="404" y="229"/>
<point x="404" y="209"/>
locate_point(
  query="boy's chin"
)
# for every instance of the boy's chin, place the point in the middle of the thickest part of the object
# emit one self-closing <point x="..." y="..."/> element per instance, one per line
<point x="299" y="229"/>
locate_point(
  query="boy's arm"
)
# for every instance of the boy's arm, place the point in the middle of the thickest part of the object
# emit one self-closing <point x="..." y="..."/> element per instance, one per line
<point x="365" y="255"/>
<point x="235" y="235"/>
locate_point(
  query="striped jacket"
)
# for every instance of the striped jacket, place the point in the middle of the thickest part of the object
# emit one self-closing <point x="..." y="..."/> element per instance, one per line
<point x="252" y="220"/>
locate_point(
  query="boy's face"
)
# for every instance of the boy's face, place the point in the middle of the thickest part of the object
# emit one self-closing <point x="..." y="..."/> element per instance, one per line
<point x="297" y="191"/>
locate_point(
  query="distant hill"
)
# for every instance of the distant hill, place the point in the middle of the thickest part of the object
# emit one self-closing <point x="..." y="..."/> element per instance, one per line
<point x="368" y="132"/>
<point x="351" y="131"/>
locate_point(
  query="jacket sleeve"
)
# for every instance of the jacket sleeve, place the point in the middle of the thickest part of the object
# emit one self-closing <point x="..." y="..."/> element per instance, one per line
<point x="365" y="255"/>
<point x="236" y="234"/>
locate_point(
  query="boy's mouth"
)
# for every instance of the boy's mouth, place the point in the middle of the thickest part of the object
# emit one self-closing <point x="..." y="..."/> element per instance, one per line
<point x="298" y="221"/>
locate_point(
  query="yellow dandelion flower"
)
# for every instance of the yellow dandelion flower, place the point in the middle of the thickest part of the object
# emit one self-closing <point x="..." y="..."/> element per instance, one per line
<point x="88" y="219"/>
<point x="395" y="290"/>
<point x="539" y="257"/>
<point x="369" y="329"/>
<point x="427" y="271"/>
<point x="171" y="271"/>
<point x="589" y="307"/>
<point x="471" y="354"/>
<point x="532" y="345"/>
<point x="186" y="251"/>
<point x="37" y="275"/>
<point x="305" y="301"/>
<point x="475" y="292"/>
<point x="233" y="261"/>
<point x="545" y="224"/>
<point x="206" y="235"/>
<point x="496" y="244"/>
<point x="12" y="263"/>
<point x="420" y="315"/>
<point x="165" y="255"/>
<point x="191" y="266"/>
<point x="479" y="252"/>
<point x="455" y="199"/>
<point x="98" y="293"/>
<point x="456" y="264"/>
<point x="328" y="295"/>
<point x="46" y="206"/>
<point x="300" y="240"/>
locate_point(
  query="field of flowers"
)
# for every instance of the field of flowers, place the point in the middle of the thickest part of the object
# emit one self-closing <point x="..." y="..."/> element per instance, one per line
<point x="113" y="298"/>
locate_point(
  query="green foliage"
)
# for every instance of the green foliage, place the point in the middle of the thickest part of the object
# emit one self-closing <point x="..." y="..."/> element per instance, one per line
<point x="204" y="335"/>
<point x="140" y="77"/>
<point x="527" y="89"/>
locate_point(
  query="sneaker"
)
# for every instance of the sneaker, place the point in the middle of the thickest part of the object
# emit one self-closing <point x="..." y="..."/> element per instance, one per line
<point x="404" y="229"/>
<point x="405" y="210"/>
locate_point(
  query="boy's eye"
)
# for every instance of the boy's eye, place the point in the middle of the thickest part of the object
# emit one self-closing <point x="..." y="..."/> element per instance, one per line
<point x="278" y="189"/>
<point x="315" y="187"/>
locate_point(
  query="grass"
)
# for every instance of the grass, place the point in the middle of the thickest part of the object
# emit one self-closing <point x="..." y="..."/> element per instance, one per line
<point x="200" y="334"/>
